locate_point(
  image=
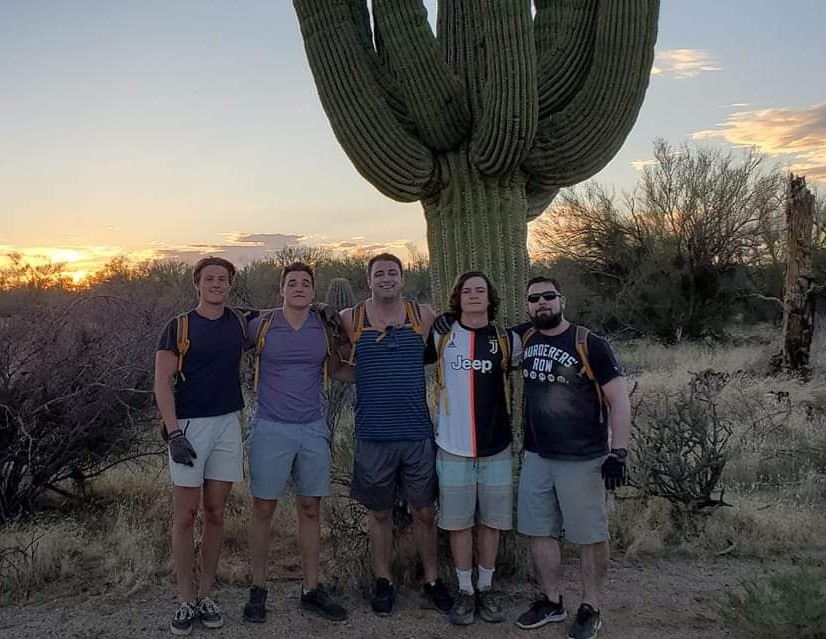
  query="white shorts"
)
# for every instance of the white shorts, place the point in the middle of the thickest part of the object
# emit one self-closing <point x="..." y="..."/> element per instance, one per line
<point x="217" y="444"/>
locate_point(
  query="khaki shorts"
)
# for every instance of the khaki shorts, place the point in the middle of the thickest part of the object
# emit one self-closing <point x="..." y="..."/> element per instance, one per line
<point x="562" y="495"/>
<point x="468" y="485"/>
<point x="217" y="442"/>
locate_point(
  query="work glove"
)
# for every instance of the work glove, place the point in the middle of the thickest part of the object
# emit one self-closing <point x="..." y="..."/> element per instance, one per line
<point x="614" y="471"/>
<point x="180" y="449"/>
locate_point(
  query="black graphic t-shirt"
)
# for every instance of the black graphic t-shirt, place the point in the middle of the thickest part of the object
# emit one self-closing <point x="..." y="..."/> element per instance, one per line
<point x="562" y="410"/>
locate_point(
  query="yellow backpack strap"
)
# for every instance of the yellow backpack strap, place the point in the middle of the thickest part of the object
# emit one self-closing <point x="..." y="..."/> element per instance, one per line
<point x="243" y="318"/>
<point x="260" y="340"/>
<point x="414" y="315"/>
<point x="328" y="335"/>
<point x="357" y="316"/>
<point x="182" y="336"/>
<point x="505" y="351"/>
<point x="440" y="371"/>
<point x="582" y="351"/>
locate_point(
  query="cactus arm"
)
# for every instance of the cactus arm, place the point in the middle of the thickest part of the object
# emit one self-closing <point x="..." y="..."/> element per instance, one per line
<point x="510" y="113"/>
<point x="540" y="194"/>
<point x="577" y="142"/>
<point x="387" y="155"/>
<point x="432" y="93"/>
<point x="564" y="34"/>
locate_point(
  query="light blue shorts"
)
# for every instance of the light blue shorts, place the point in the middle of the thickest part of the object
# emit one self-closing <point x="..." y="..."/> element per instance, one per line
<point x="280" y="454"/>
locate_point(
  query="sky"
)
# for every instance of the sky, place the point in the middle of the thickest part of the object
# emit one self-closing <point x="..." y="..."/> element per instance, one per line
<point x="170" y="129"/>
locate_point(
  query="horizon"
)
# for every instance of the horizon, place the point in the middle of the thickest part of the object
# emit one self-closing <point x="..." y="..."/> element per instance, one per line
<point x="166" y="132"/>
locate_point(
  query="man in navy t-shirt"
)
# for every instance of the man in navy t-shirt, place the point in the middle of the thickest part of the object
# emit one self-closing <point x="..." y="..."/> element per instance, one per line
<point x="573" y="389"/>
<point x="200" y="406"/>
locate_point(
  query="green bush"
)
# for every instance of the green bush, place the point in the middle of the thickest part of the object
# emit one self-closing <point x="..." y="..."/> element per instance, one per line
<point x="791" y="605"/>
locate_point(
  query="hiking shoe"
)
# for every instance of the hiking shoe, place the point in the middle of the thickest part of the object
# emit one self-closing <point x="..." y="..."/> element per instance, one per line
<point x="542" y="611"/>
<point x="209" y="613"/>
<point x="587" y="623"/>
<point x="437" y="596"/>
<point x="461" y="614"/>
<point x="183" y="620"/>
<point x="319" y="601"/>
<point x="384" y="597"/>
<point x="489" y="609"/>
<point x="255" y="610"/>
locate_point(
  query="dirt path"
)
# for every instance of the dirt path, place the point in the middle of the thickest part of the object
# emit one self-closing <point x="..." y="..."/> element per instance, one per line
<point x="647" y="600"/>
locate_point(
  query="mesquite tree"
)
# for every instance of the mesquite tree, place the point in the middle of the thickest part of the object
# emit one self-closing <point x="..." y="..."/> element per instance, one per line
<point x="484" y="121"/>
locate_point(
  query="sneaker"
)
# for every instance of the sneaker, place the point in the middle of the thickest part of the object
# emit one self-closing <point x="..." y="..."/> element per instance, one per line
<point x="461" y="614"/>
<point x="489" y="609"/>
<point x="542" y="611"/>
<point x="437" y="596"/>
<point x="319" y="601"/>
<point x="587" y="623"/>
<point x="183" y="620"/>
<point x="384" y="597"/>
<point x="256" y="611"/>
<point x="209" y="613"/>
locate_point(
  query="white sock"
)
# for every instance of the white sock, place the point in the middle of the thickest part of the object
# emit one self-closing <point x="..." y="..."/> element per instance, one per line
<point x="485" y="578"/>
<point x="465" y="581"/>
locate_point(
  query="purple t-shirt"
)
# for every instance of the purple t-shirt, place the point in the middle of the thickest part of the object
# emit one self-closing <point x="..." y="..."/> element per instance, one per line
<point x="290" y="373"/>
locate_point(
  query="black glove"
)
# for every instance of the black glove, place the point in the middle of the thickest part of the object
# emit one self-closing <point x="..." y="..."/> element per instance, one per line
<point x="614" y="472"/>
<point x="443" y="322"/>
<point x="180" y="449"/>
<point x="330" y="317"/>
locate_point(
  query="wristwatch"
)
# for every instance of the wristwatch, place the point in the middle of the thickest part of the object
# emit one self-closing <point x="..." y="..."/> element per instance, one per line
<point x="619" y="453"/>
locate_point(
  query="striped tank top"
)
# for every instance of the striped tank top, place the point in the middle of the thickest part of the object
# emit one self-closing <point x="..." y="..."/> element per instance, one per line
<point x="391" y="395"/>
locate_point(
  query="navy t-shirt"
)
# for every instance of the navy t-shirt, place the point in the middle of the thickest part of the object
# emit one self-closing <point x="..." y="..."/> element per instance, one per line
<point x="562" y="410"/>
<point x="211" y="383"/>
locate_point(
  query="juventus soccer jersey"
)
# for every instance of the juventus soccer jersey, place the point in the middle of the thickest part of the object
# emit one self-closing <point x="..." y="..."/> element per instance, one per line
<point x="473" y="419"/>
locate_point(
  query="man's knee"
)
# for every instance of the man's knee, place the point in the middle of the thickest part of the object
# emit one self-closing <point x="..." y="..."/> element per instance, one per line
<point x="308" y="508"/>
<point x="214" y="514"/>
<point x="263" y="508"/>
<point x="380" y="517"/>
<point x="423" y="516"/>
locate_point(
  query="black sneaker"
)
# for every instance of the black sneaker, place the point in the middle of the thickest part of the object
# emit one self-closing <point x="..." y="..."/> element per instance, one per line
<point x="384" y="597"/>
<point x="183" y="620"/>
<point x="319" y="601"/>
<point x="587" y="623"/>
<point x="461" y="614"/>
<point x="209" y="613"/>
<point x="256" y="610"/>
<point x="488" y="607"/>
<point x="542" y="611"/>
<point x="437" y="596"/>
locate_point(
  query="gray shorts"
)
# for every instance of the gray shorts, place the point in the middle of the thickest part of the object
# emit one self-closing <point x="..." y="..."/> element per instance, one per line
<point x="380" y="467"/>
<point x="468" y="485"/>
<point x="281" y="453"/>
<point x="557" y="495"/>
<point x="217" y="444"/>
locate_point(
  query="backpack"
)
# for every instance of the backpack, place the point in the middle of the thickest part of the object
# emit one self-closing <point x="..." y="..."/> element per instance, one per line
<point x="261" y="338"/>
<point x="582" y="350"/>
<point x="504" y="349"/>
<point x="413" y="318"/>
<point x="182" y="334"/>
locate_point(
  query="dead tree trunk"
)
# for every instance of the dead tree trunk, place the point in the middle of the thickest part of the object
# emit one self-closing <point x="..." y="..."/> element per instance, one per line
<point x="798" y="309"/>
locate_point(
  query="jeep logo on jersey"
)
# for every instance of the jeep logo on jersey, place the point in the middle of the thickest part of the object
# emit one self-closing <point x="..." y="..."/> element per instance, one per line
<point x="465" y="364"/>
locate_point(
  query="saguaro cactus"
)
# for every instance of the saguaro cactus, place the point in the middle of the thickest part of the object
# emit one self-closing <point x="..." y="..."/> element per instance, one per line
<point x="339" y="294"/>
<point x="485" y="121"/>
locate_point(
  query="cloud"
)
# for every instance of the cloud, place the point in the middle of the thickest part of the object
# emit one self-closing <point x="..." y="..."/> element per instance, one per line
<point x="682" y="64"/>
<point x="798" y="135"/>
<point x="639" y="165"/>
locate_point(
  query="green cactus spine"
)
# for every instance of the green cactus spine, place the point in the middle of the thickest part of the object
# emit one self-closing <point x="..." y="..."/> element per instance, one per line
<point x="486" y="121"/>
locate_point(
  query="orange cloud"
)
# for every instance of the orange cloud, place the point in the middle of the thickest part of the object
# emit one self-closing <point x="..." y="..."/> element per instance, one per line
<point x="797" y="135"/>
<point x="682" y="64"/>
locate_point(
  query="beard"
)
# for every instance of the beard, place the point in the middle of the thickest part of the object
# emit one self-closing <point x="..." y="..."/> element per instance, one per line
<point x="545" y="321"/>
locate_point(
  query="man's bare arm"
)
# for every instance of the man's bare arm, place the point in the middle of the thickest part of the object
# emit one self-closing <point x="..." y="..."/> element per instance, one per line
<point x="166" y="367"/>
<point x="616" y="394"/>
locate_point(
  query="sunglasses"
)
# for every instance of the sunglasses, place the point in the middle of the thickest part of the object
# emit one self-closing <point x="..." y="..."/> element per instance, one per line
<point x="548" y="296"/>
<point x="392" y="341"/>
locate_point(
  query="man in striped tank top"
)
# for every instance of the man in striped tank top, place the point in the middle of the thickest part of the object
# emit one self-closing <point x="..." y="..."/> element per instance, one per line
<point x="394" y="433"/>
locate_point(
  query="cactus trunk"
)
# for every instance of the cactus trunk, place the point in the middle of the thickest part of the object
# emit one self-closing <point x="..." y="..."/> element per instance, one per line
<point x="485" y="216"/>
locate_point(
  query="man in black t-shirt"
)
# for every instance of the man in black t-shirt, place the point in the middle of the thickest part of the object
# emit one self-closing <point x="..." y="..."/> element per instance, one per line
<point x="200" y="405"/>
<point x="573" y="390"/>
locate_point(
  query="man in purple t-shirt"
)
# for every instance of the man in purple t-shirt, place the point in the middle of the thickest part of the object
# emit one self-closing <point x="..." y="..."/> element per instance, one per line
<point x="289" y="436"/>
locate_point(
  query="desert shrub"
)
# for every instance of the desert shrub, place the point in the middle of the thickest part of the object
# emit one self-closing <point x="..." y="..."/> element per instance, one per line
<point x="75" y="389"/>
<point x="784" y="605"/>
<point x="681" y="444"/>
